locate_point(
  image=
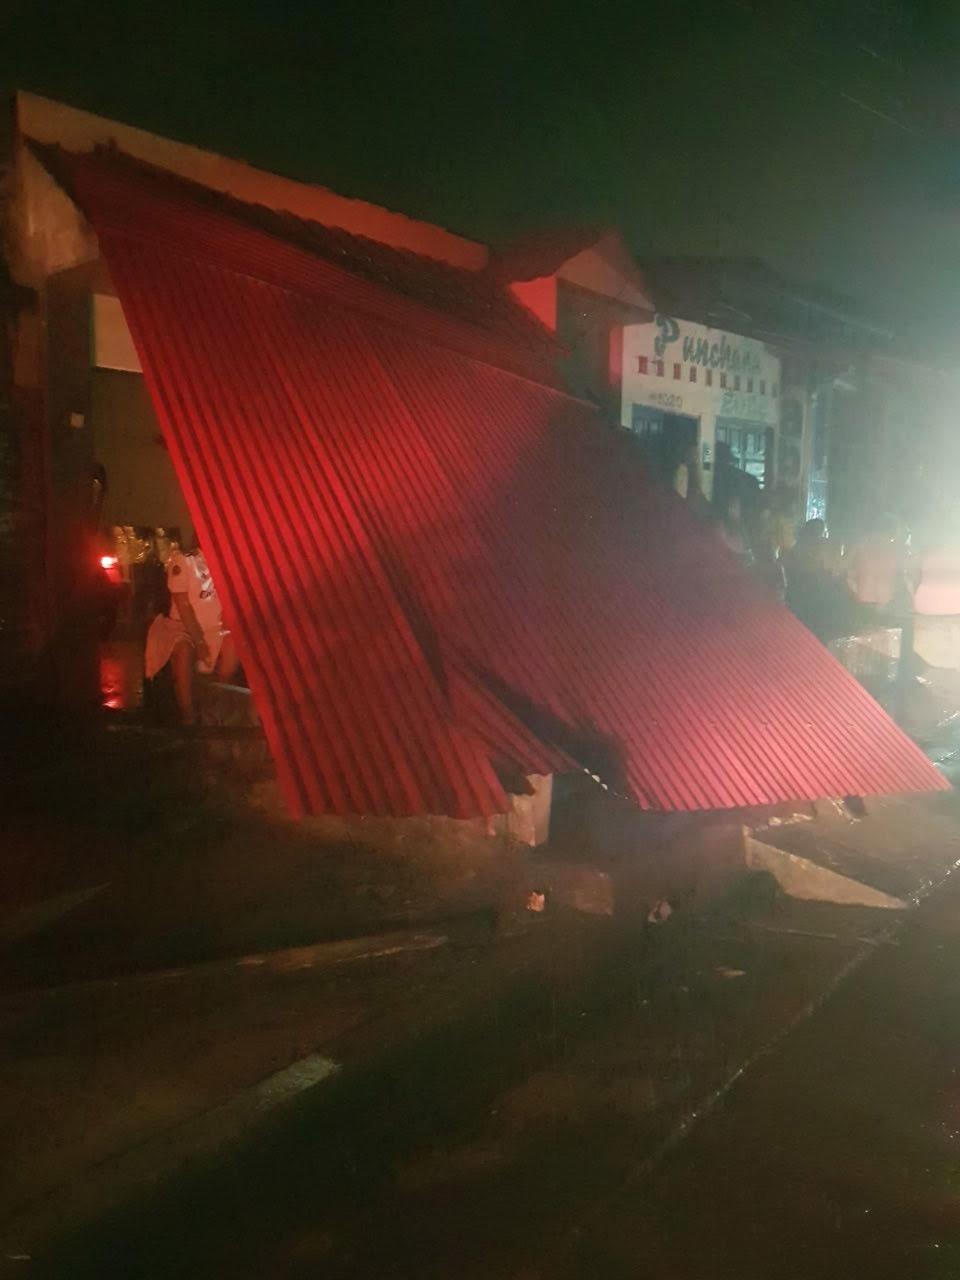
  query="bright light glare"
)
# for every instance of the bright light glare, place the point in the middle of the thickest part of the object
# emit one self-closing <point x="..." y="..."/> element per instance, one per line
<point x="108" y="562"/>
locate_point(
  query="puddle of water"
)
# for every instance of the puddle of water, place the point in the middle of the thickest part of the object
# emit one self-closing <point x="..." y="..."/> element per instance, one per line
<point x="121" y="675"/>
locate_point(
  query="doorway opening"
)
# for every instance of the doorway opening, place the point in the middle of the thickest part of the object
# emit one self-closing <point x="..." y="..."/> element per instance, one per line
<point x="665" y="439"/>
<point x="750" y="446"/>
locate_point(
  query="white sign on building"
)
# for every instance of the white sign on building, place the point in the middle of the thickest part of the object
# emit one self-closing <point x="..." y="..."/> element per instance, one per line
<point x="676" y="373"/>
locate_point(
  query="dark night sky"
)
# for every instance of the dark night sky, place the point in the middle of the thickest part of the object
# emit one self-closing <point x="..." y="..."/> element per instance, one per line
<point x="825" y="139"/>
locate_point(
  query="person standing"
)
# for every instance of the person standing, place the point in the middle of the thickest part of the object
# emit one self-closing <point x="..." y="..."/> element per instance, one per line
<point x="816" y="589"/>
<point x="687" y="482"/>
<point x="772" y="538"/>
<point x="686" y="474"/>
<point x="191" y="634"/>
<point x="732" y="532"/>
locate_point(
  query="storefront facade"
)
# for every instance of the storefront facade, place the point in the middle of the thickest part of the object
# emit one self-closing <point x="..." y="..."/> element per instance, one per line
<point x="685" y="383"/>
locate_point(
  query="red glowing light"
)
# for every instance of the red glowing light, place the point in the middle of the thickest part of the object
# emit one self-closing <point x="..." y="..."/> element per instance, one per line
<point x="108" y="562"/>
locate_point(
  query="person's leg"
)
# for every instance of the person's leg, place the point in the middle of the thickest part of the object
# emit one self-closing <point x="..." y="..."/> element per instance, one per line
<point x="181" y="664"/>
<point x="228" y="664"/>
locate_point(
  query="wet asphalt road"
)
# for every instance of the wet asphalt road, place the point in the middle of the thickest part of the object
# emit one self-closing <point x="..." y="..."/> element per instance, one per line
<point x="839" y="1155"/>
<point x="836" y="1154"/>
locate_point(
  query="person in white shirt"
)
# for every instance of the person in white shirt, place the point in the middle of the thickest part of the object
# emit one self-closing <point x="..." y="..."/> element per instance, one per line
<point x="686" y="475"/>
<point x="191" y="635"/>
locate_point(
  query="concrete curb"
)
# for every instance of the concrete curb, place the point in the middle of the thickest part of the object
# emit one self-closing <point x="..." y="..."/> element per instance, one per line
<point x="317" y="955"/>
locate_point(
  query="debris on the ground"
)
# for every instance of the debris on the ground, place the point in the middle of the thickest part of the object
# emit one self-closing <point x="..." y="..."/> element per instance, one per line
<point x="660" y="913"/>
<point x="838" y="807"/>
<point x="787" y="820"/>
<point x="724" y="971"/>
<point x="802" y="878"/>
<point x="536" y="902"/>
<point x="567" y="884"/>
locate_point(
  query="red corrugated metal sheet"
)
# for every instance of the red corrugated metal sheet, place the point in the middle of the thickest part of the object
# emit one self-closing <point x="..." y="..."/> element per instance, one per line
<point x="434" y="565"/>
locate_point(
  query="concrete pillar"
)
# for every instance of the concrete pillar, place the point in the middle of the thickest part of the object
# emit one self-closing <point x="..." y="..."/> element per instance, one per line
<point x="21" y="550"/>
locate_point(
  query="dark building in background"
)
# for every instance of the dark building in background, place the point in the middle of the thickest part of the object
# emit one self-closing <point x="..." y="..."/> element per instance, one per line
<point x="865" y="427"/>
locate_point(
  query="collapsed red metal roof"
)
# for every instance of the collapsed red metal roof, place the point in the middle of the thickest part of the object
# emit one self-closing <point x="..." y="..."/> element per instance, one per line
<point x="439" y="570"/>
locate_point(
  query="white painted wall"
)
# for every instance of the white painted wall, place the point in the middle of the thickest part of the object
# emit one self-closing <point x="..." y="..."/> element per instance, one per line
<point x="112" y="342"/>
<point x="702" y="350"/>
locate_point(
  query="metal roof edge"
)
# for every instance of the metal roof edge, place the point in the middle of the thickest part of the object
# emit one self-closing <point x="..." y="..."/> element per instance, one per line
<point x="48" y="121"/>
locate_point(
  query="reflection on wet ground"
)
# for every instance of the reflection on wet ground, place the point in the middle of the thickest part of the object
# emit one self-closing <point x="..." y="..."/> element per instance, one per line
<point x="121" y="675"/>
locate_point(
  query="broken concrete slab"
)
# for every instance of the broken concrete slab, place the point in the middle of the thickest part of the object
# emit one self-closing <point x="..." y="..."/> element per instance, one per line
<point x="802" y="878"/>
<point x="901" y="845"/>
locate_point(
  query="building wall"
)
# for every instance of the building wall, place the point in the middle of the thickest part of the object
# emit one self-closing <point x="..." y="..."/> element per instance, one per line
<point x="590" y="328"/>
<point x="717" y="377"/>
<point x="142" y="488"/>
<point x="51" y="251"/>
<point x="73" y="547"/>
<point x="46" y="232"/>
<point x="23" y="594"/>
<point x="794" y="445"/>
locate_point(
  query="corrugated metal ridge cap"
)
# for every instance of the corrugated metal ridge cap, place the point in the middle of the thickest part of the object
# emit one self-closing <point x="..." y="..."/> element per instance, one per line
<point x="474" y="297"/>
